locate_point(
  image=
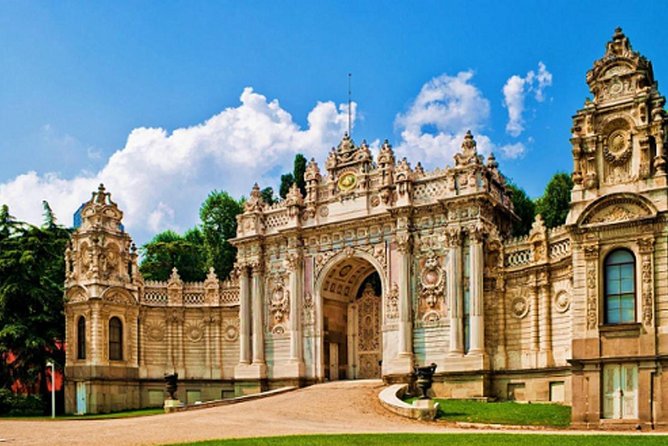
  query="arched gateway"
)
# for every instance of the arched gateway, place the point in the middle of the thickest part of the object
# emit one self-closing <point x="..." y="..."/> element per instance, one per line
<point x="350" y="292"/>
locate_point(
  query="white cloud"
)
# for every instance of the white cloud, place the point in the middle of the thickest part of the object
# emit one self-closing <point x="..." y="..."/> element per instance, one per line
<point x="160" y="179"/>
<point x="515" y="90"/>
<point x="433" y="127"/>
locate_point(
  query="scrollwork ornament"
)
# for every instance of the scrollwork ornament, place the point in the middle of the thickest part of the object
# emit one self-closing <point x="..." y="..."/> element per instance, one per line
<point x="617" y="150"/>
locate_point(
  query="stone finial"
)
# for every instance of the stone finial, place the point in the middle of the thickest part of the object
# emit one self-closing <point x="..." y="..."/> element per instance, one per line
<point x="294" y="196"/>
<point x="386" y="155"/>
<point x="492" y="163"/>
<point x="346" y="145"/>
<point x="469" y="153"/>
<point x="312" y="172"/>
<point x="174" y="277"/>
<point x="538" y="225"/>
<point x="255" y="203"/>
<point x="619" y="45"/>
<point x="211" y="275"/>
<point x="101" y="195"/>
<point x="419" y="170"/>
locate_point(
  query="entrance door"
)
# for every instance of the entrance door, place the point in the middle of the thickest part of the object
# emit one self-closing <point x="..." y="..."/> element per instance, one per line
<point x="81" y="398"/>
<point x="620" y="391"/>
<point x="333" y="361"/>
<point x="369" y="352"/>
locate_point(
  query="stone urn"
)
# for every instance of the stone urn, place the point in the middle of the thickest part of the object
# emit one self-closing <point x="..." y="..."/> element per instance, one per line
<point x="425" y="378"/>
<point x="171" y="384"/>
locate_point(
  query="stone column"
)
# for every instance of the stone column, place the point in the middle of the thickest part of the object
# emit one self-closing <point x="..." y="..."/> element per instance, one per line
<point x="477" y="303"/>
<point x="296" y="297"/>
<point x="454" y="273"/>
<point x="405" y="332"/>
<point x="545" y="324"/>
<point x="257" y="297"/>
<point x="244" y="317"/>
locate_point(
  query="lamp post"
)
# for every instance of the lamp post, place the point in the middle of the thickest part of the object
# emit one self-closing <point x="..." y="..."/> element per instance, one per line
<point x="53" y="388"/>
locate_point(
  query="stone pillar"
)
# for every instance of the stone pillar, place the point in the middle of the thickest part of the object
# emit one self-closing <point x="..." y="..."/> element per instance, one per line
<point x="535" y="320"/>
<point x="257" y="297"/>
<point x="477" y="304"/>
<point x="405" y="331"/>
<point x="296" y="297"/>
<point x="546" y="357"/>
<point x="244" y="317"/>
<point x="455" y="295"/>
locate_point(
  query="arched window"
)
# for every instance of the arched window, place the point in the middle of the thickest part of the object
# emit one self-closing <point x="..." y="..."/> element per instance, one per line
<point x="620" y="287"/>
<point x="115" y="339"/>
<point x="81" y="338"/>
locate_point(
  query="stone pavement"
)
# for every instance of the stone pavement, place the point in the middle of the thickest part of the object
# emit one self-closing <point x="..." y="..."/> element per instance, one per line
<point x="338" y="407"/>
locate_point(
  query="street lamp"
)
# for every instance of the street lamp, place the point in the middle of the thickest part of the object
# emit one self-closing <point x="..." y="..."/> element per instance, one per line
<point x="53" y="388"/>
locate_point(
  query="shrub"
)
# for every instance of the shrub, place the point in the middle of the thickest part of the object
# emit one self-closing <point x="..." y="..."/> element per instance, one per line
<point x="13" y="404"/>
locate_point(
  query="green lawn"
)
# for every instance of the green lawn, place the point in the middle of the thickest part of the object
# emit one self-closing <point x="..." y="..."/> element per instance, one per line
<point x="446" y="440"/>
<point x="553" y="415"/>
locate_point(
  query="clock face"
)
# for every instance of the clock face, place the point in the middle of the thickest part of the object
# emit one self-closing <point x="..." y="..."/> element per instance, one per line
<point x="347" y="182"/>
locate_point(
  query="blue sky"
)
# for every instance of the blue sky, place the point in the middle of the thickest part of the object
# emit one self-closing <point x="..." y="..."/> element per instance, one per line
<point x="164" y="101"/>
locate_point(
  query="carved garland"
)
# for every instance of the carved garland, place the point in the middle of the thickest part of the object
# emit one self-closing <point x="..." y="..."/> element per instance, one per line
<point x="591" y="256"/>
<point x="647" y="250"/>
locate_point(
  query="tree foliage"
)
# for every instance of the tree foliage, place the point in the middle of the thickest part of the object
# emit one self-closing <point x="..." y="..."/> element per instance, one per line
<point x="296" y="176"/>
<point x="553" y="206"/>
<point x="169" y="250"/>
<point x="268" y="195"/>
<point x="32" y="276"/>
<point x="218" y="216"/>
<point x="525" y="209"/>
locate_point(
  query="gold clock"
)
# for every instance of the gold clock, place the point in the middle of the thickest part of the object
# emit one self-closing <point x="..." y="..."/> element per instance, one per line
<point x="347" y="182"/>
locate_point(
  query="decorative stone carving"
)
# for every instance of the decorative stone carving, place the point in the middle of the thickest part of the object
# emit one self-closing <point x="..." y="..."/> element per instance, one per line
<point x="392" y="303"/>
<point x="468" y="154"/>
<point x="432" y="280"/>
<point x="279" y="300"/>
<point x="231" y="331"/>
<point x="308" y="310"/>
<point x="194" y="331"/>
<point x="562" y="302"/>
<point x="255" y="202"/>
<point x="519" y="307"/>
<point x="154" y="331"/>
<point x="592" y="301"/>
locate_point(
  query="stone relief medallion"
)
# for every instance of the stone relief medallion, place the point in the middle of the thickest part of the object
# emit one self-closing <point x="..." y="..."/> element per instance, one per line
<point x="375" y="201"/>
<point x="431" y="319"/>
<point x="324" y="211"/>
<point x="194" y="332"/>
<point x="519" y="307"/>
<point x="155" y="331"/>
<point x="617" y="150"/>
<point x="347" y="182"/>
<point x="278" y="330"/>
<point x="616" y="87"/>
<point x="231" y="333"/>
<point x="562" y="302"/>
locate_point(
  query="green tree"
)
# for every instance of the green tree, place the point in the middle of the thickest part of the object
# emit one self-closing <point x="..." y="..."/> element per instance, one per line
<point x="298" y="172"/>
<point x="296" y="176"/>
<point x="168" y="250"/>
<point x="32" y="274"/>
<point x="553" y="206"/>
<point x="525" y="209"/>
<point x="268" y="195"/>
<point x="218" y="215"/>
<point x="286" y="181"/>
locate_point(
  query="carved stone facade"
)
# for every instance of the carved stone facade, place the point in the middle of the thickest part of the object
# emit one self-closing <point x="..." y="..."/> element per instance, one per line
<point x="382" y="266"/>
